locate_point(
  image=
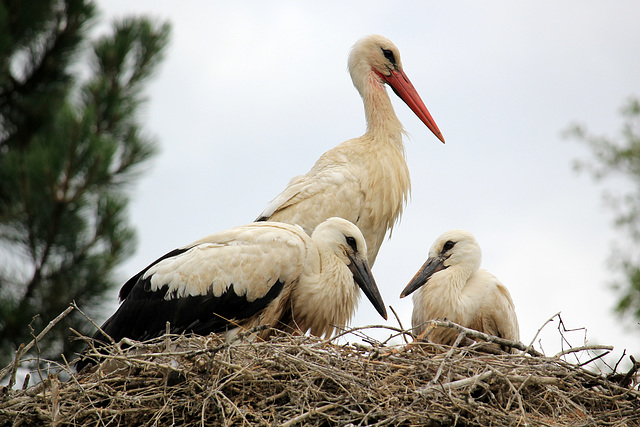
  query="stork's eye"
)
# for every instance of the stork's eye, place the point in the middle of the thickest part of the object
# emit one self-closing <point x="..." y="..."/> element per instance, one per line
<point x="352" y="242"/>
<point x="389" y="55"/>
<point x="447" y="246"/>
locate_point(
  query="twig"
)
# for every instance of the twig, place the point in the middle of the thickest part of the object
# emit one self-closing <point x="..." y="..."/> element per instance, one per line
<point x="516" y="393"/>
<point x="530" y="346"/>
<point x="457" y="384"/>
<point x="232" y="405"/>
<point x="457" y="342"/>
<point x="518" y="396"/>
<point x="562" y="328"/>
<point x="25" y="383"/>
<point x="38" y="363"/>
<point x="55" y="400"/>
<point x="127" y="358"/>
<point x="16" y="365"/>
<point x="625" y="380"/>
<point x="399" y="323"/>
<point x="302" y="417"/>
<point x="361" y="328"/>
<point x="582" y="348"/>
<point x="472" y="333"/>
<point x="111" y="340"/>
<point x="167" y="340"/>
<point x="59" y="317"/>
<point x="615" y="368"/>
<point x="593" y="359"/>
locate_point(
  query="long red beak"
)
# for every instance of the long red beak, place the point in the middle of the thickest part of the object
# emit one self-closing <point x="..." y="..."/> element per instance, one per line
<point x="402" y="86"/>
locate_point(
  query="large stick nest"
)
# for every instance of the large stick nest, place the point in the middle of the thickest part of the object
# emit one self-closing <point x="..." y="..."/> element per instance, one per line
<point x="302" y="380"/>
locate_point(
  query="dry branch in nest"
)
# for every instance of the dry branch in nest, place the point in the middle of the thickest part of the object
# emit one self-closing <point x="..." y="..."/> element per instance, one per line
<point x="301" y="380"/>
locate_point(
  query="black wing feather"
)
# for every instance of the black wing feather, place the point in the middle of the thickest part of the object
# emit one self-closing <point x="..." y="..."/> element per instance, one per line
<point x="144" y="313"/>
<point x="129" y="284"/>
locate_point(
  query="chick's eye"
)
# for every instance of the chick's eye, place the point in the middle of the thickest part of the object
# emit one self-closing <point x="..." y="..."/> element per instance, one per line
<point x="389" y="55"/>
<point x="447" y="246"/>
<point x="352" y="242"/>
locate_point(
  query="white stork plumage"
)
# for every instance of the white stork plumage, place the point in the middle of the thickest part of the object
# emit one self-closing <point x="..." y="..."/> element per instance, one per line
<point x="266" y="273"/>
<point x="365" y="179"/>
<point x="452" y="285"/>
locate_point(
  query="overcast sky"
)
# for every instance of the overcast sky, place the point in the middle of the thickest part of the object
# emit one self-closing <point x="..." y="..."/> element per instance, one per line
<point x="251" y="94"/>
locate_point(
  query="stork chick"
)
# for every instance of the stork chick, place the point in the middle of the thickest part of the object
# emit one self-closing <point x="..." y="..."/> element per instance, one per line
<point x="364" y="180"/>
<point x="268" y="273"/>
<point x="452" y="285"/>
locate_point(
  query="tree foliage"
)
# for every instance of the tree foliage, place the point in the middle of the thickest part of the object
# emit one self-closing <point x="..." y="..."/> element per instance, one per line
<point x="69" y="146"/>
<point x="617" y="160"/>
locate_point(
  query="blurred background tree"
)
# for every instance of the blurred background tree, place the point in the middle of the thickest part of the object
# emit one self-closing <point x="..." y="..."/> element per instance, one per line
<point x="70" y="144"/>
<point x="618" y="161"/>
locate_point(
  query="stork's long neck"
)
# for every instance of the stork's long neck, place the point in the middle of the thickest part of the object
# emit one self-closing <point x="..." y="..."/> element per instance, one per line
<point x="382" y="122"/>
<point x="330" y="300"/>
<point x="341" y="291"/>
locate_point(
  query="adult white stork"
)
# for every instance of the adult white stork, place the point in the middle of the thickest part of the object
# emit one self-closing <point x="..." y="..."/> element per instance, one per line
<point x="365" y="179"/>
<point x="451" y="285"/>
<point x="269" y="273"/>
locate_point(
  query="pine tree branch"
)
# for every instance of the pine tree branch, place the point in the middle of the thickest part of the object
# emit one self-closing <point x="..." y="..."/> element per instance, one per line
<point x="68" y="163"/>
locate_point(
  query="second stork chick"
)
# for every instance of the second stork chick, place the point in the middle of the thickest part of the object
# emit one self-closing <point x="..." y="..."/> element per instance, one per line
<point x="451" y="285"/>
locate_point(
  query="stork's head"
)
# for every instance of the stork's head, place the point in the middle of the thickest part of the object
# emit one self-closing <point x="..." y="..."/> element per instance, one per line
<point x="455" y="249"/>
<point x="345" y="240"/>
<point x="376" y="60"/>
<point x="375" y="53"/>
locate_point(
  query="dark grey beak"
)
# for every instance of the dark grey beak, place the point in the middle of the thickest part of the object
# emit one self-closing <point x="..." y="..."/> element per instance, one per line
<point x="364" y="278"/>
<point x="431" y="266"/>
